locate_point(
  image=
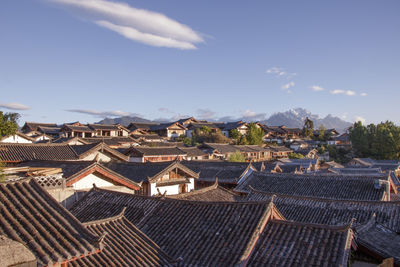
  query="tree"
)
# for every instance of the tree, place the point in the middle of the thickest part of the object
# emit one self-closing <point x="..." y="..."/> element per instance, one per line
<point x="204" y="134"/>
<point x="235" y="134"/>
<point x="237" y="157"/>
<point x="308" y="127"/>
<point x="186" y="140"/>
<point x="322" y="133"/>
<point x="295" y="156"/>
<point x="2" y="176"/>
<point x="8" y="123"/>
<point x="254" y="134"/>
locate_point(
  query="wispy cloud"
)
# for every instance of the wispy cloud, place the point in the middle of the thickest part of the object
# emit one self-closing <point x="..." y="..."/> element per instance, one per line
<point x="288" y="85"/>
<point x="102" y="114"/>
<point x="343" y="92"/>
<point x="317" y="88"/>
<point x="139" y="25"/>
<point x="363" y="94"/>
<point x="205" y="114"/>
<point x="14" y="106"/>
<point x="249" y="115"/>
<point x="280" y="72"/>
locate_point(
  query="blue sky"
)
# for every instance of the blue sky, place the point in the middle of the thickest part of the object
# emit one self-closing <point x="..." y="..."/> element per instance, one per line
<point x="69" y="60"/>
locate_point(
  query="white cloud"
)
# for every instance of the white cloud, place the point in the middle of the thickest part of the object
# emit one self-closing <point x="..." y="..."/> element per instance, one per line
<point x="343" y="92"/>
<point x="96" y="113"/>
<point x="205" y="114"/>
<point x="287" y="86"/>
<point x="363" y="94"/>
<point x="140" y="25"/>
<point x="359" y="118"/>
<point x="14" y="106"/>
<point x="280" y="72"/>
<point x="317" y="88"/>
<point x="249" y="115"/>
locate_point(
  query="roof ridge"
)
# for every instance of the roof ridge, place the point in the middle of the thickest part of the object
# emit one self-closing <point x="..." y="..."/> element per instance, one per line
<point x="119" y="216"/>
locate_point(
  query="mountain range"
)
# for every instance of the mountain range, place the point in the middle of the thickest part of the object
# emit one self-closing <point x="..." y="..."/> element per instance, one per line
<point x="293" y="118"/>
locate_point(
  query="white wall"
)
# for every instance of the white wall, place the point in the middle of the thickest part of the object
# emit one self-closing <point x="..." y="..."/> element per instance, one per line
<point x="88" y="181"/>
<point x="171" y="189"/>
<point x="102" y="157"/>
<point x="16" y="139"/>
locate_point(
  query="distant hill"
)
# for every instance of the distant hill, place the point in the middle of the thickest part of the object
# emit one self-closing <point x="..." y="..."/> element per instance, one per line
<point x="295" y="118"/>
<point x="126" y="120"/>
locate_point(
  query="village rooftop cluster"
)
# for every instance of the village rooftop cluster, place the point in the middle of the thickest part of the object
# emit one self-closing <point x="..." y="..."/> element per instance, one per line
<point x="139" y="195"/>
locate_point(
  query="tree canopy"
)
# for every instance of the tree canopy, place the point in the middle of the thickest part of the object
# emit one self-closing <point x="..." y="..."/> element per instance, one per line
<point x="237" y="157"/>
<point x="381" y="141"/>
<point x="8" y="123"/>
<point x="254" y="134"/>
<point x="308" y="127"/>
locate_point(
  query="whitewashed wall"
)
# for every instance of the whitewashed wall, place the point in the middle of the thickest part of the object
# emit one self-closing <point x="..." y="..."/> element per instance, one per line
<point x="88" y="181"/>
<point x="16" y="139"/>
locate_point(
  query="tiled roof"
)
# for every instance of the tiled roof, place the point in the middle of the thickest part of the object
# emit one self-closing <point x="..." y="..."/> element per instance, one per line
<point x="232" y="125"/>
<point x="124" y="245"/>
<point x="294" y="244"/>
<point x="165" y="126"/>
<point x="193" y="151"/>
<point x="155" y="151"/>
<point x="332" y="212"/>
<point x="212" y="193"/>
<point x="226" y="172"/>
<point x="78" y="128"/>
<point x="222" y="148"/>
<point x="33" y="126"/>
<point x="29" y="215"/>
<point x="49" y="130"/>
<point x="358" y="171"/>
<point x="106" y="127"/>
<point x="24" y="152"/>
<point x="322" y="186"/>
<point x="143" y="172"/>
<point x="379" y="239"/>
<point x="201" y="233"/>
<point x="111" y="141"/>
<point x="73" y="171"/>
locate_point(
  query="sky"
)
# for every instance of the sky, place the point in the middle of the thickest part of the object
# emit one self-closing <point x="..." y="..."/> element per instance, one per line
<point x="83" y="60"/>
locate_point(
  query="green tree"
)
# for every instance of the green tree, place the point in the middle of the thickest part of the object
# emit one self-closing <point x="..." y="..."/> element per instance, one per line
<point x="308" y="127"/>
<point x="322" y="133"/>
<point x="237" y="157"/>
<point x="254" y="134"/>
<point x="243" y="140"/>
<point x="359" y="137"/>
<point x="8" y="123"/>
<point x="235" y="134"/>
<point x="2" y="176"/>
<point x="295" y="156"/>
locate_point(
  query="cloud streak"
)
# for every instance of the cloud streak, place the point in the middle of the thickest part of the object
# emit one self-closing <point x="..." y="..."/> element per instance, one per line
<point x="14" y="106"/>
<point x="343" y="92"/>
<point x="317" y="88"/>
<point x="205" y="114"/>
<point x="287" y="86"/>
<point x="139" y="25"/>
<point x="280" y="72"/>
<point x="102" y="114"/>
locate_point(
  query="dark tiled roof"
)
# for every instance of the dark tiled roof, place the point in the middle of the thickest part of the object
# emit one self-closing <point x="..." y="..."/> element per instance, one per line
<point x="379" y="239"/>
<point x="78" y="128"/>
<point x="29" y="215"/>
<point x="295" y="244"/>
<point x="226" y="172"/>
<point x="201" y="233"/>
<point x="139" y="172"/>
<point x="357" y="171"/>
<point x="49" y="130"/>
<point x="24" y="152"/>
<point x="124" y="245"/>
<point x="156" y="151"/>
<point x="106" y="127"/>
<point x="111" y="141"/>
<point x="322" y="186"/>
<point x="212" y="193"/>
<point x="165" y="126"/>
<point x="138" y="125"/>
<point x="68" y="168"/>
<point x="232" y="125"/>
<point x="33" y="126"/>
<point x="193" y="151"/>
<point x="332" y="212"/>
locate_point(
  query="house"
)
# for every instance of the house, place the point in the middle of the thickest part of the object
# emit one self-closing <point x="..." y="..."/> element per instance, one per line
<point x="140" y="128"/>
<point x="157" y="178"/>
<point x="32" y="220"/>
<point x="279" y="152"/>
<point x="18" y="137"/>
<point x="16" y="153"/>
<point x="76" y="130"/>
<point x="281" y="134"/>
<point x="169" y="130"/>
<point x="342" y="140"/>
<point x="53" y="132"/>
<point x="33" y="126"/>
<point x="154" y="154"/>
<point x="299" y="145"/>
<point x="240" y="126"/>
<point x="192" y="127"/>
<point x="66" y="181"/>
<point x="227" y="174"/>
<point x="194" y="153"/>
<point x="188" y="121"/>
<point x="225" y="151"/>
<point x="112" y="130"/>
